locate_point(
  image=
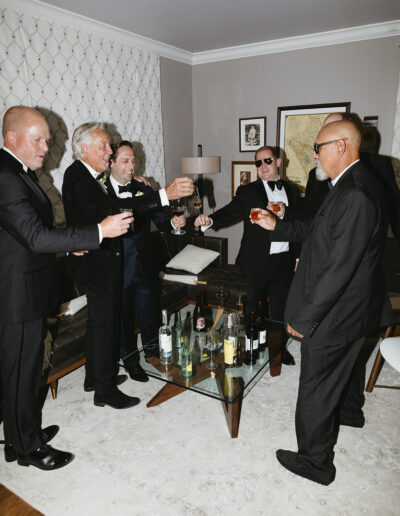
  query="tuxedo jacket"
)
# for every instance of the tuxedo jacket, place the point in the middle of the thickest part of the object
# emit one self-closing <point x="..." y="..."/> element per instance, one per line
<point x="142" y="231"/>
<point x="337" y="292"/>
<point x="382" y="169"/>
<point x="28" y="243"/>
<point x="86" y="201"/>
<point x="255" y="244"/>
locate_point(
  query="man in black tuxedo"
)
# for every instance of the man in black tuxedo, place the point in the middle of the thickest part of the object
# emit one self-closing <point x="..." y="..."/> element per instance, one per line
<point x="317" y="187"/>
<point x="268" y="267"/>
<point x="28" y="243"/>
<point x="140" y="289"/>
<point x="336" y="299"/>
<point x="86" y="200"/>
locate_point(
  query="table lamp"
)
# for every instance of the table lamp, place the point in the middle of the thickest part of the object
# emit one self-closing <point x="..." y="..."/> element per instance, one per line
<point x="201" y="165"/>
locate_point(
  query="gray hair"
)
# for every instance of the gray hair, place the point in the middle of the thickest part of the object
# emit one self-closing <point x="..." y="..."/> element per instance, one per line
<point x="84" y="134"/>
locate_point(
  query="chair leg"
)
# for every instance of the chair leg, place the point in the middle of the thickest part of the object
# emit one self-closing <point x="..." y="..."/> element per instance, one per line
<point x="379" y="361"/>
<point x="53" y="387"/>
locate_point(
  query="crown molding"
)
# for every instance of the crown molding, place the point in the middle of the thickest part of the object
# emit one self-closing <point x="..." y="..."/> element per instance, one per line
<point x="53" y="14"/>
<point x="36" y="8"/>
<point x="334" y="37"/>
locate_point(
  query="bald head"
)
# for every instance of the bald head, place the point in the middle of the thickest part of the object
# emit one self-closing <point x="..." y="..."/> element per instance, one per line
<point x="341" y="141"/>
<point x="333" y="117"/>
<point x="26" y="135"/>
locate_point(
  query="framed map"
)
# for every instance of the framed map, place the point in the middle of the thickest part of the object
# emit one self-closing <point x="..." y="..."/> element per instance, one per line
<point x="297" y="128"/>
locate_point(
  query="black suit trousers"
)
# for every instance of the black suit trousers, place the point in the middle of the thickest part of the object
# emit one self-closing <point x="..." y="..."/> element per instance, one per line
<point x="21" y="358"/>
<point x="102" y="339"/>
<point x="327" y="384"/>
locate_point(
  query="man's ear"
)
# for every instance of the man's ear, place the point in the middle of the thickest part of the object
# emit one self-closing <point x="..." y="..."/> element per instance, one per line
<point x="83" y="148"/>
<point x="10" y="139"/>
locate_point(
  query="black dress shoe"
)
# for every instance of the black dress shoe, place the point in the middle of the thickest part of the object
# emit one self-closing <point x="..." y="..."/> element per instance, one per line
<point x="46" y="457"/>
<point x="136" y="372"/>
<point x="116" y="399"/>
<point x="287" y="358"/>
<point x="294" y="463"/>
<point x="46" y="435"/>
<point x="121" y="378"/>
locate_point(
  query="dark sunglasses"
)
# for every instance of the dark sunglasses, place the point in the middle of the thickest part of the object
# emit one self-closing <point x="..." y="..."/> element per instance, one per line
<point x="267" y="161"/>
<point x="317" y="146"/>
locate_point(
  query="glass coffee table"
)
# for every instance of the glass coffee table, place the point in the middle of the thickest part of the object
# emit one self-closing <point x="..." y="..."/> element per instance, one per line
<point x="229" y="385"/>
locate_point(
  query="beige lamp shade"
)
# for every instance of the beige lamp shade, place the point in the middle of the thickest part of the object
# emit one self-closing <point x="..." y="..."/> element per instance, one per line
<point x="203" y="165"/>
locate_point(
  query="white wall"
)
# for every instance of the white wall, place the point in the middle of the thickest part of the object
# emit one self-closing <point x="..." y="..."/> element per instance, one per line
<point x="365" y="73"/>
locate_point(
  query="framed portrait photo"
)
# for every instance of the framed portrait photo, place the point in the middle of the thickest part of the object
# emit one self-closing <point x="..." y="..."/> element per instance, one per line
<point x="297" y="128"/>
<point x="252" y="133"/>
<point x="243" y="172"/>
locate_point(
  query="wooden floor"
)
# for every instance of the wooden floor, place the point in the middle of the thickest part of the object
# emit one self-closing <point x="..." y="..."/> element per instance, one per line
<point x="13" y="505"/>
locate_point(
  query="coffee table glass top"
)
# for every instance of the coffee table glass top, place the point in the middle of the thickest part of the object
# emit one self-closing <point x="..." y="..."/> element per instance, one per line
<point x="224" y="383"/>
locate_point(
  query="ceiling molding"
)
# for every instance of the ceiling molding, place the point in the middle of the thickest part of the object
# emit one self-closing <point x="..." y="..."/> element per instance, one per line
<point x="36" y="8"/>
<point x="334" y="37"/>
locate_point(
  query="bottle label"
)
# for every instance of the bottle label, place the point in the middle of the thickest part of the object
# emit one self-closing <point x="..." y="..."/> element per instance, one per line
<point x="200" y="323"/>
<point x="255" y="344"/>
<point x="166" y="345"/>
<point x="228" y="352"/>
<point x="262" y="336"/>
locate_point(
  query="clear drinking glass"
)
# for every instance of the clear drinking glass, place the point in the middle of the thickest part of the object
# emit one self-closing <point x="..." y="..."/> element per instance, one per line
<point x="197" y="203"/>
<point x="212" y="346"/>
<point x="178" y="207"/>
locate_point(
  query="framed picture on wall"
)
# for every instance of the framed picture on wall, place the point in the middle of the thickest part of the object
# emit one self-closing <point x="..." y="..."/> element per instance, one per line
<point x="297" y="128"/>
<point x="243" y="172"/>
<point x="252" y="133"/>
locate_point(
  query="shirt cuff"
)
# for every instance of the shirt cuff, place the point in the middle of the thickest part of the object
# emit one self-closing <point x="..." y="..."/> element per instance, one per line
<point x="163" y="197"/>
<point x="204" y="228"/>
<point x="100" y="234"/>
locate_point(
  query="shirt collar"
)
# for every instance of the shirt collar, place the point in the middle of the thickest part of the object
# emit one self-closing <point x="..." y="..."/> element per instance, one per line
<point x="115" y="183"/>
<point x="334" y="181"/>
<point x="14" y="156"/>
<point x="92" y="171"/>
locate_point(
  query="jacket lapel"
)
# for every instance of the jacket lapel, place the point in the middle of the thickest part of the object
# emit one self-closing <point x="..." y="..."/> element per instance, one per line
<point x="262" y="193"/>
<point x="44" y="205"/>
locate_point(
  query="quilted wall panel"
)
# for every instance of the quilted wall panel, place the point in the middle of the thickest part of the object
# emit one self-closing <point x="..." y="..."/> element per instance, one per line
<point x="72" y="77"/>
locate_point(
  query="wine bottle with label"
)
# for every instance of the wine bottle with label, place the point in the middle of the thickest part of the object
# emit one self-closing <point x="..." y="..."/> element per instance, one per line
<point x="199" y="318"/>
<point x="251" y="341"/>
<point x="262" y="327"/>
<point x="165" y="340"/>
<point x="230" y="343"/>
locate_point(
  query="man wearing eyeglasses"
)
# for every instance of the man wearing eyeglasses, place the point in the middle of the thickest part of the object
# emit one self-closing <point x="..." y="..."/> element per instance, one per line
<point x="268" y="267"/>
<point x="336" y="299"/>
<point x="318" y="183"/>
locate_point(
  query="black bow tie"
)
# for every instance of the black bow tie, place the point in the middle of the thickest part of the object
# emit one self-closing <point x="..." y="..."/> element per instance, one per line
<point x="32" y="174"/>
<point x="125" y="188"/>
<point x="278" y="184"/>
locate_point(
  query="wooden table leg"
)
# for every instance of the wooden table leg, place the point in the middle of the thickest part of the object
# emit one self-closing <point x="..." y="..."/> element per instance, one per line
<point x="232" y="414"/>
<point x="167" y="392"/>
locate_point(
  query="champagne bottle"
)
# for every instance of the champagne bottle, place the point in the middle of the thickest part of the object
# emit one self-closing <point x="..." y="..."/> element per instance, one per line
<point x="199" y="319"/>
<point x="262" y="327"/>
<point x="187" y="327"/>
<point x="187" y="366"/>
<point x="230" y="343"/>
<point x="251" y="342"/>
<point x="165" y="340"/>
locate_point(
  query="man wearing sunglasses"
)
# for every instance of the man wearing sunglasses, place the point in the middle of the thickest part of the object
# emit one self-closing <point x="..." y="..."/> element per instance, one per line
<point x="381" y="166"/>
<point x="336" y="299"/>
<point x="267" y="267"/>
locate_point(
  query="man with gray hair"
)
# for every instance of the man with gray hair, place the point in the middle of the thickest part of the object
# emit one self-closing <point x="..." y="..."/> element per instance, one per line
<point x="86" y="200"/>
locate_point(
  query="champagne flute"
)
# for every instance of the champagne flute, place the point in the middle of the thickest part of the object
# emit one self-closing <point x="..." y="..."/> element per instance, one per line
<point x="178" y="207"/>
<point x="197" y="203"/>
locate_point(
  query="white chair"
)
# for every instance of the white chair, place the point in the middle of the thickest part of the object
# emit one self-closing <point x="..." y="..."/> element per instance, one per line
<point x="390" y="349"/>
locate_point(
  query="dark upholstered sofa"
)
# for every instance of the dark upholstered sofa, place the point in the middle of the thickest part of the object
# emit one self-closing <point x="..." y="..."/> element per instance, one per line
<point x="68" y="347"/>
